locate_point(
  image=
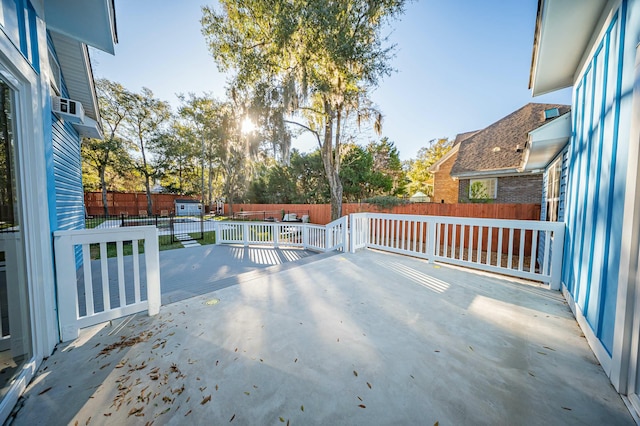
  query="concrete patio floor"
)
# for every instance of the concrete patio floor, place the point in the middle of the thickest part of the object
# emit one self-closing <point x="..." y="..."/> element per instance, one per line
<point x="366" y="338"/>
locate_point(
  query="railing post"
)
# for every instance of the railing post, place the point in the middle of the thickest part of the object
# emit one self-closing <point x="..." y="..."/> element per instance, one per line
<point x="245" y="234"/>
<point x="557" y="254"/>
<point x="431" y="241"/>
<point x="327" y="238"/>
<point x="344" y="231"/>
<point x="276" y="234"/>
<point x="67" y="291"/>
<point x="305" y="236"/>
<point x="216" y="230"/>
<point x="152" y="265"/>
<point x="352" y="231"/>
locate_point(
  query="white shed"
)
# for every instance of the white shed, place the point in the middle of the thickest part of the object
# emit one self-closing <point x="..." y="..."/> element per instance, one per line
<point x="420" y="197"/>
<point x="188" y="207"/>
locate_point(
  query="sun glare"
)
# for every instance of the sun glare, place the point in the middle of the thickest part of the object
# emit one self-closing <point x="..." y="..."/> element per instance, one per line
<point x="247" y="125"/>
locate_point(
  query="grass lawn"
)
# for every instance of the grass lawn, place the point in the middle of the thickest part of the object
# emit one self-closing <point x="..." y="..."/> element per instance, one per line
<point x="94" y="222"/>
<point x="209" y="238"/>
<point x="164" y="243"/>
<point x="127" y="249"/>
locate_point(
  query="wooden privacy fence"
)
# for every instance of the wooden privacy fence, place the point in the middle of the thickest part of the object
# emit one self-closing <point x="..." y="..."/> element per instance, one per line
<point x="130" y="203"/>
<point x="321" y="213"/>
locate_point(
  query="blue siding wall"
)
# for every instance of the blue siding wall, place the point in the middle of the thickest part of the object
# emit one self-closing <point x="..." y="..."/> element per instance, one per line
<point x="64" y="176"/>
<point x="595" y="185"/>
<point x="67" y="168"/>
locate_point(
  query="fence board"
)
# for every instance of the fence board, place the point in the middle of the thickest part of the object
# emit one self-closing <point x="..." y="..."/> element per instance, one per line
<point x="130" y="203"/>
<point x="321" y="213"/>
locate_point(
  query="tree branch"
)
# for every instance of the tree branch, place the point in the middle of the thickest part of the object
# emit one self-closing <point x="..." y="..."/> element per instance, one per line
<point x="308" y="129"/>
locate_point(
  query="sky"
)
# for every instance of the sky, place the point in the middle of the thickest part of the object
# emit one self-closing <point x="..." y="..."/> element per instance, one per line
<point x="460" y="65"/>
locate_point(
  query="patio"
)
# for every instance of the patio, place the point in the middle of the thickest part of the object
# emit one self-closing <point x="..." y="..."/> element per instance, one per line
<point x="365" y="338"/>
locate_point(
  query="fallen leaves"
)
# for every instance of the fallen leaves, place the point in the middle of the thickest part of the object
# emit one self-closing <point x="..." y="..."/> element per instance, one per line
<point x="205" y="400"/>
<point x="136" y="411"/>
<point x="362" y="406"/>
<point x="126" y="343"/>
<point x="44" y="390"/>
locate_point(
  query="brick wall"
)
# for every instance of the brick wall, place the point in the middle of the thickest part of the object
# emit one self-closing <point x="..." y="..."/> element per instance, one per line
<point x="445" y="188"/>
<point x="511" y="189"/>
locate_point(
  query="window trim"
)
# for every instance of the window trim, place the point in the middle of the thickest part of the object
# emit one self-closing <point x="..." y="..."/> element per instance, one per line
<point x="552" y="190"/>
<point x="493" y="184"/>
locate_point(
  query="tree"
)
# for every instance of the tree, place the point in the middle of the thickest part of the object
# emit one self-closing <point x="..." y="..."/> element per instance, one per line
<point x="176" y="149"/>
<point x="206" y="119"/>
<point x="386" y="161"/>
<point x="418" y="170"/>
<point x="319" y="58"/>
<point x="111" y="151"/>
<point x="143" y="123"/>
<point x="356" y="173"/>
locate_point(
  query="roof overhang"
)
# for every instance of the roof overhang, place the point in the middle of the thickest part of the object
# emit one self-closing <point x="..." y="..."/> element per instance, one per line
<point x="73" y="57"/>
<point x="563" y="30"/>
<point x="546" y="142"/>
<point x="89" y="128"/>
<point x="495" y="173"/>
<point x="435" y="167"/>
<point x="92" y="22"/>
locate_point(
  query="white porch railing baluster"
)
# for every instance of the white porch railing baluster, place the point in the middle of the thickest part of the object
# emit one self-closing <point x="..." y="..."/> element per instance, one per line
<point x="438" y="238"/>
<point x="67" y="276"/>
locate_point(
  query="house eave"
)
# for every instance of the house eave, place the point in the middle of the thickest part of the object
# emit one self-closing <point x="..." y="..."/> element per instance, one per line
<point x="92" y="22"/>
<point x="435" y="167"/>
<point x="546" y="142"/>
<point x="89" y="128"/>
<point x="563" y="31"/>
<point x="495" y="173"/>
<point x="75" y="66"/>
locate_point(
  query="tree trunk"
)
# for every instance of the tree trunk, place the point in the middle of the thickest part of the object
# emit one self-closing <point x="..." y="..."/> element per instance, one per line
<point x="103" y="186"/>
<point x="148" y="188"/>
<point x="330" y="169"/>
<point x="210" y="187"/>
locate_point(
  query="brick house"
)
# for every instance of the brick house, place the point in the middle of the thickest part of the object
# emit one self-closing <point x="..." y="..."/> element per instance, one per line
<point x="500" y="163"/>
<point x="445" y="188"/>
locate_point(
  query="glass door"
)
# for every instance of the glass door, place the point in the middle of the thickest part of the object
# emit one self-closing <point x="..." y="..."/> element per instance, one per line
<point x="15" y="326"/>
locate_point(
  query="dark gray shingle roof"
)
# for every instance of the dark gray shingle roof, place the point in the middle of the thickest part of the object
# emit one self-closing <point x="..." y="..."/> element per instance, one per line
<point x="495" y="147"/>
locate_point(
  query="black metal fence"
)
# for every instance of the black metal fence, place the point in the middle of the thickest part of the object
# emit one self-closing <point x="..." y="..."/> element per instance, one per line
<point x="171" y="229"/>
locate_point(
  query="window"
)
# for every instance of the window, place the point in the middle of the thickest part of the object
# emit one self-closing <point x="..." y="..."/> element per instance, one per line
<point x="54" y="77"/>
<point x="554" y="174"/>
<point x="483" y="189"/>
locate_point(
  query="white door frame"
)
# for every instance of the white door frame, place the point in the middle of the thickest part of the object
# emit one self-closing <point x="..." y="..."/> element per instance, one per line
<point x="32" y="97"/>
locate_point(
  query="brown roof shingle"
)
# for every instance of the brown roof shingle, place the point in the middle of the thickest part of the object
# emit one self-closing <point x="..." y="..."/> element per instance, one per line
<point x="495" y="147"/>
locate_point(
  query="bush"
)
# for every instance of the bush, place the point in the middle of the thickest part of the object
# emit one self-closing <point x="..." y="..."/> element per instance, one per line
<point x="386" y="201"/>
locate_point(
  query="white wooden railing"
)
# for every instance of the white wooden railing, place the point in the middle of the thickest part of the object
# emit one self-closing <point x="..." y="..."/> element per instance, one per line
<point x="507" y="247"/>
<point x="87" y="285"/>
<point x="323" y="238"/>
